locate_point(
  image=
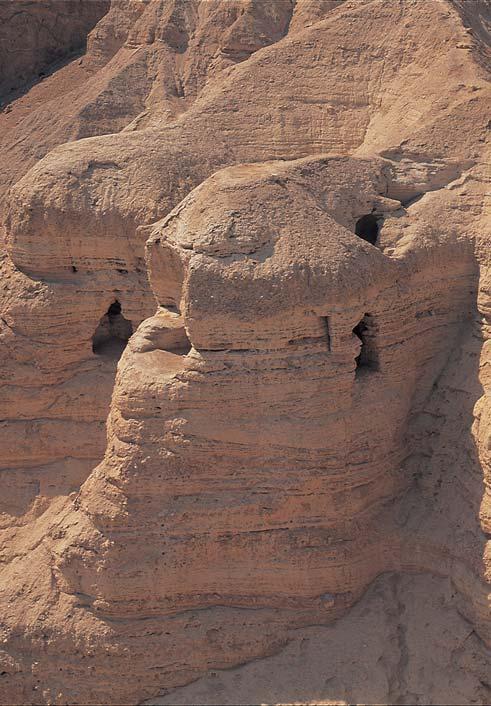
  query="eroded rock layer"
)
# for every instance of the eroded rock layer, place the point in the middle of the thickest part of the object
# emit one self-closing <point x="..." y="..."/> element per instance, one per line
<point x="245" y="352"/>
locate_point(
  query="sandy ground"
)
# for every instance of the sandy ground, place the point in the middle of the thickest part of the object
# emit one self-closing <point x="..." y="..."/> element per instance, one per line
<point x="397" y="646"/>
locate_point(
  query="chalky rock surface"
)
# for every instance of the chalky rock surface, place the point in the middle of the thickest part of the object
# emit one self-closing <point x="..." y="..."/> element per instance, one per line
<point x="245" y="311"/>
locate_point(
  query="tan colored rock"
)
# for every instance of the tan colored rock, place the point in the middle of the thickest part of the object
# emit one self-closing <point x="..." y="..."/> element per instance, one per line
<point x="298" y="411"/>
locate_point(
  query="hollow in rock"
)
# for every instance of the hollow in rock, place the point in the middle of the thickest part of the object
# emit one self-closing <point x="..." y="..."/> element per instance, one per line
<point x="112" y="333"/>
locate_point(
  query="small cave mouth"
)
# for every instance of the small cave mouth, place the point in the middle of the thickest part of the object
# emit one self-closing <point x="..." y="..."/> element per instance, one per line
<point x="367" y="359"/>
<point x="112" y="333"/>
<point x="367" y="228"/>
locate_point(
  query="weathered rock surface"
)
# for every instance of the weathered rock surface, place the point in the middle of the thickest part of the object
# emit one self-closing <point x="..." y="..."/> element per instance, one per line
<point x="384" y="651"/>
<point x="298" y="413"/>
<point x="34" y="34"/>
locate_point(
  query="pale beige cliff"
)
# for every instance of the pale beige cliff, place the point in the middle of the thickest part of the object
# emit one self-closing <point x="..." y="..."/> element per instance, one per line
<point x="298" y="428"/>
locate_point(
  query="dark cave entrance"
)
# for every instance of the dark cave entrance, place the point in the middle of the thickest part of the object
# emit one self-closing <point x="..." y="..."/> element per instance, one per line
<point x="367" y="359"/>
<point x="367" y="228"/>
<point x="112" y="333"/>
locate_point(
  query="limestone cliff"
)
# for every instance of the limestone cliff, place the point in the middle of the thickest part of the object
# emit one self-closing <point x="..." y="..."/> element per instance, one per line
<point x="35" y="34"/>
<point x="245" y="357"/>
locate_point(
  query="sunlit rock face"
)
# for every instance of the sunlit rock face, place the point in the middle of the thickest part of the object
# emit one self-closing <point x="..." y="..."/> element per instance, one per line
<point x="275" y="431"/>
<point x="244" y="347"/>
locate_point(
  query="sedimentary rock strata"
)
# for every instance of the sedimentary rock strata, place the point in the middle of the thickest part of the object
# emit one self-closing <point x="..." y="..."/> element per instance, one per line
<point x="244" y="353"/>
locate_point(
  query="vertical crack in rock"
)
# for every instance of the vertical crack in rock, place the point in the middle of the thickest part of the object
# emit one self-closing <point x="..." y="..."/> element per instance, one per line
<point x="366" y="332"/>
<point x="398" y="691"/>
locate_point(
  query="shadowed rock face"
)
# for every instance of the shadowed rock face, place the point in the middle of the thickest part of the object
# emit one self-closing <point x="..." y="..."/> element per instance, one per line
<point x="33" y="35"/>
<point x="245" y="374"/>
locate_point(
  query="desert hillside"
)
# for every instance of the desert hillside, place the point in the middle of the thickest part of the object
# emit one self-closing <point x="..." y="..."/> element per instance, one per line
<point x="245" y="352"/>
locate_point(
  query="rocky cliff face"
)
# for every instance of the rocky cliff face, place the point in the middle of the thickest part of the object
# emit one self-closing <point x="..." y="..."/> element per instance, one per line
<point x="33" y="35"/>
<point x="244" y="353"/>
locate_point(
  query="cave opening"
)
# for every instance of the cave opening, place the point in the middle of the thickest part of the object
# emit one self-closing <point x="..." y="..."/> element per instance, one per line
<point x="367" y="228"/>
<point x="112" y="333"/>
<point x="367" y="358"/>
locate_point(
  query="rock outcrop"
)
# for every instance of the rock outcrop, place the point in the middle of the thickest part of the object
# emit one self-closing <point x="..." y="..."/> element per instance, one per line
<point x="34" y="35"/>
<point x="268" y="268"/>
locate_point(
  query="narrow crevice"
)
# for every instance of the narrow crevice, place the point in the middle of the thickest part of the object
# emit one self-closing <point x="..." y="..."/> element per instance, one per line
<point x="328" y="333"/>
<point x="367" y="359"/>
<point x="398" y="681"/>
